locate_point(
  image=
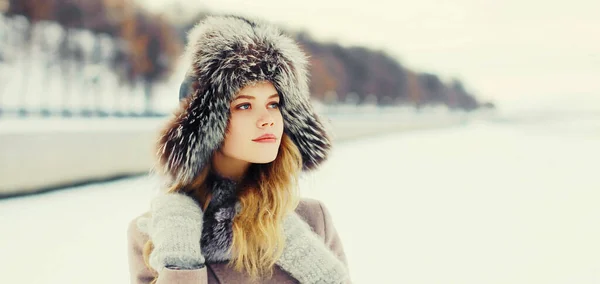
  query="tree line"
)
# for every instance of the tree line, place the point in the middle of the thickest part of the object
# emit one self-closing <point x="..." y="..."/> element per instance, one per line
<point x="151" y="45"/>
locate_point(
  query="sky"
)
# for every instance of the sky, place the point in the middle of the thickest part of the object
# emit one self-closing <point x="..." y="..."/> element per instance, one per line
<point x="510" y="52"/>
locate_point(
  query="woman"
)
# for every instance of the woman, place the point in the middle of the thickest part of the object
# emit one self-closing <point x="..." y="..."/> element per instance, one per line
<point x="232" y="155"/>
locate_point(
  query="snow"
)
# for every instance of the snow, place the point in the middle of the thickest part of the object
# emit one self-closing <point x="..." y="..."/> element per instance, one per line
<point x="488" y="202"/>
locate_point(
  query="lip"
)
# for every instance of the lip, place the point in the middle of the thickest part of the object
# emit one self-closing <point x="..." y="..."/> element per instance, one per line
<point x="265" y="138"/>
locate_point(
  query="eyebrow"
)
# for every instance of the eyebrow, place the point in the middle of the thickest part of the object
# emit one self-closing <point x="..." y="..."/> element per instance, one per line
<point x="253" y="98"/>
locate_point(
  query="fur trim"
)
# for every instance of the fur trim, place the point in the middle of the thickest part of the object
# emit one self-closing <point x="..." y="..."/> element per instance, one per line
<point x="217" y="231"/>
<point x="226" y="54"/>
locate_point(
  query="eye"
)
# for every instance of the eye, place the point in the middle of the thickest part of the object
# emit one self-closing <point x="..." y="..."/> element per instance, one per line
<point x="274" y="105"/>
<point x="243" y="106"/>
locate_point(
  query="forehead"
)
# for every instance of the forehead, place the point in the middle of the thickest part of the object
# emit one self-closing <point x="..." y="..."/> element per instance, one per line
<point x="258" y="89"/>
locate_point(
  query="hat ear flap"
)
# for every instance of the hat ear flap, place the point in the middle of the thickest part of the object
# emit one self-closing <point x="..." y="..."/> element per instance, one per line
<point x="188" y="141"/>
<point x="308" y="133"/>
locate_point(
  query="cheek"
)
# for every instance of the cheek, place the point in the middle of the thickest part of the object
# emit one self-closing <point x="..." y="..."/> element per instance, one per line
<point x="279" y="123"/>
<point x="235" y="133"/>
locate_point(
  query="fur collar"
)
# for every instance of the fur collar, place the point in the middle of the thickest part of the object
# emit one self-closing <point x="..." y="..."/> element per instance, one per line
<point x="305" y="256"/>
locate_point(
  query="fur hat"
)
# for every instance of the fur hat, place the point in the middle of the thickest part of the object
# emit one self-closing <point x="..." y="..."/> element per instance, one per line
<point x="226" y="54"/>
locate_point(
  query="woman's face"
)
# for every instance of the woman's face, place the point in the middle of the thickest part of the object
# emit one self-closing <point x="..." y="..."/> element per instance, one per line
<point x="255" y="126"/>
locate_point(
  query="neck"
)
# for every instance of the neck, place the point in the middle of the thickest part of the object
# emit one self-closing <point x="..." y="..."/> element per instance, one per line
<point x="229" y="167"/>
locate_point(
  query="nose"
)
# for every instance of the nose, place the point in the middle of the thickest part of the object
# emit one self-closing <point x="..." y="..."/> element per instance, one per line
<point x="265" y="120"/>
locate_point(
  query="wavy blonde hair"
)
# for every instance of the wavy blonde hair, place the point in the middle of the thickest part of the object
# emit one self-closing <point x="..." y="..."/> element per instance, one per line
<point x="268" y="193"/>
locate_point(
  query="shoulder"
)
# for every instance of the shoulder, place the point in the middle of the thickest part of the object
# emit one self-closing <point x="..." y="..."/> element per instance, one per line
<point x="315" y="213"/>
<point x="318" y="217"/>
<point x="134" y="235"/>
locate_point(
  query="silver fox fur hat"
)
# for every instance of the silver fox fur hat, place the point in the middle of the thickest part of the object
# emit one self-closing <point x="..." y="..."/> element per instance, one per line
<point x="226" y="54"/>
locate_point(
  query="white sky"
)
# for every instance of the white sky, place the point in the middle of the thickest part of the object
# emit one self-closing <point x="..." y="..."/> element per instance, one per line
<point x="510" y="51"/>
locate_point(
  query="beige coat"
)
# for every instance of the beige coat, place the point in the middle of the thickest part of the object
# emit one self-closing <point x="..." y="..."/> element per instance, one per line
<point x="311" y="210"/>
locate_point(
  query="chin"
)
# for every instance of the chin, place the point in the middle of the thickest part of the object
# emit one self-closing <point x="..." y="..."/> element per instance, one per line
<point x="265" y="158"/>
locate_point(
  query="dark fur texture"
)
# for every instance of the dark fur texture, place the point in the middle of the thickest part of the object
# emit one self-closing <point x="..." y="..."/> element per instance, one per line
<point x="226" y="54"/>
<point x="217" y="232"/>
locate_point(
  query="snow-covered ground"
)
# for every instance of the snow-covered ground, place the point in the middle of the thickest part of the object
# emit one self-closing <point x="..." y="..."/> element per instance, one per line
<point x="489" y="202"/>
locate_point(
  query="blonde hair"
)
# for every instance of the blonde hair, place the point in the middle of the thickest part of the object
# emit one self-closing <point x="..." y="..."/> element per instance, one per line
<point x="268" y="193"/>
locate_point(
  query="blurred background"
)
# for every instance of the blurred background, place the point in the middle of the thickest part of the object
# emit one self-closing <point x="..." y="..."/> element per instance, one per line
<point x="466" y="132"/>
